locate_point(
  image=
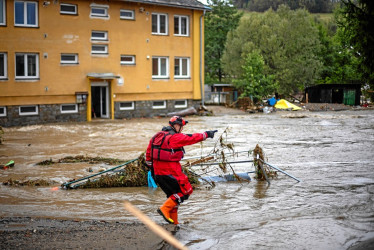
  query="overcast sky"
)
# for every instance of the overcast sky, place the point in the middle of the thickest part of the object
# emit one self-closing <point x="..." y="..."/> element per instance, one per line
<point x="204" y="1"/>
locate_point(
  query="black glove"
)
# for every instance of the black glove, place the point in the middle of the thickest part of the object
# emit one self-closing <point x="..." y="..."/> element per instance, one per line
<point x="211" y="133"/>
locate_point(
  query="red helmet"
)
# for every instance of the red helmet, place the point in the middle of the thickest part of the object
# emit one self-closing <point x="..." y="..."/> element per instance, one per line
<point x="177" y="120"/>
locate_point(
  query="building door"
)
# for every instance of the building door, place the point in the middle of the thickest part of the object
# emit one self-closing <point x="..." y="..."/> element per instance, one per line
<point x="100" y="100"/>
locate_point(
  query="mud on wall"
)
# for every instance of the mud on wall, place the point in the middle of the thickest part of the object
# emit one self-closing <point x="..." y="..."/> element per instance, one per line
<point x="50" y="113"/>
<point x="45" y="113"/>
<point x="145" y="109"/>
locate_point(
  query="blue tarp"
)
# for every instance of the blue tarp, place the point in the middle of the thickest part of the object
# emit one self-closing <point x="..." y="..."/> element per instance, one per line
<point x="272" y="101"/>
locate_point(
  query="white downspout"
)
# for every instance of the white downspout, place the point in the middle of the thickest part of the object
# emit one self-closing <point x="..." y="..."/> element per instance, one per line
<point x="201" y="59"/>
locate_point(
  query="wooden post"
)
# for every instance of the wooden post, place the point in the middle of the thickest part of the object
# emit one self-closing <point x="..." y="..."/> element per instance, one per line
<point x="153" y="226"/>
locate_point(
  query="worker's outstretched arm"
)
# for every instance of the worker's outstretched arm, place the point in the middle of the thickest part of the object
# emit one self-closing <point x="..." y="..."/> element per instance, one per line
<point x="180" y="140"/>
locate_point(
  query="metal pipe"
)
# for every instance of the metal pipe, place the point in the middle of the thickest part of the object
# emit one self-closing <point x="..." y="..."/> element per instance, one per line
<point x="280" y="170"/>
<point x="226" y="154"/>
<point x="217" y="163"/>
<point x="103" y="172"/>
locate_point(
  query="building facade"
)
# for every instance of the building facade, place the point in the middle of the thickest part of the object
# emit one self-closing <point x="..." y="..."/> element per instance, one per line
<point x="65" y="60"/>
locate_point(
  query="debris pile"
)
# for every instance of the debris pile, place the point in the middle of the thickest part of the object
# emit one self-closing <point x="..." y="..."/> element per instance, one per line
<point x="246" y="104"/>
<point x="262" y="170"/>
<point x="82" y="158"/>
<point x="134" y="175"/>
<point x="32" y="183"/>
<point x="218" y="162"/>
<point x="201" y="111"/>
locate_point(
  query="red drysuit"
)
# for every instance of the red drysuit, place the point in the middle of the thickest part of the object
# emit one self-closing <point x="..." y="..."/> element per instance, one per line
<point x="168" y="174"/>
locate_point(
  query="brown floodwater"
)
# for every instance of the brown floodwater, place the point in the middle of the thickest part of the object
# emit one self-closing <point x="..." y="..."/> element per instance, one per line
<point x="331" y="152"/>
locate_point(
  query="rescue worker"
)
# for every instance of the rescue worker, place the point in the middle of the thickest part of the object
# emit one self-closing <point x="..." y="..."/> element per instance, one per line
<point x="164" y="152"/>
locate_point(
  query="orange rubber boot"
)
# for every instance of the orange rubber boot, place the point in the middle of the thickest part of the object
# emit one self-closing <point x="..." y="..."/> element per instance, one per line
<point x="165" y="209"/>
<point x="174" y="215"/>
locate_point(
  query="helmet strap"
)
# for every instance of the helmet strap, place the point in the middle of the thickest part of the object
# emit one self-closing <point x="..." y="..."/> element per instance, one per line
<point x="180" y="128"/>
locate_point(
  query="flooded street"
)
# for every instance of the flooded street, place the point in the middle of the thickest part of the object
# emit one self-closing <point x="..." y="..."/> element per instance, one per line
<point x="331" y="152"/>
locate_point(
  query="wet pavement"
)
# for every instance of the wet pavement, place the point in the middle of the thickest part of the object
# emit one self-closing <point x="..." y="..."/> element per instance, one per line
<point x="331" y="152"/>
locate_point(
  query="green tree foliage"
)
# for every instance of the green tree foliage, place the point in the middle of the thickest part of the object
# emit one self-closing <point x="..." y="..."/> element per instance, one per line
<point x="339" y="59"/>
<point x="253" y="82"/>
<point x="223" y="18"/>
<point x="356" y="19"/>
<point x="288" y="43"/>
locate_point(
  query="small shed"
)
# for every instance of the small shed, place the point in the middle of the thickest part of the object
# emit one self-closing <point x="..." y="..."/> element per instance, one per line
<point x="348" y="94"/>
<point x="220" y="93"/>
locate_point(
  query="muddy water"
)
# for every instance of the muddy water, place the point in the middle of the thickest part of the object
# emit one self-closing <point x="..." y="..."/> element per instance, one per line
<point x="331" y="152"/>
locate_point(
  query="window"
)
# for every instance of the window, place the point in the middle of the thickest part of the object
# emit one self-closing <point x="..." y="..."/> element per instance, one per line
<point x="99" y="35"/>
<point x="2" y="111"/>
<point x="99" y="49"/>
<point x="181" y="67"/>
<point x="28" y="110"/>
<point x="68" y="9"/>
<point x="180" y="104"/>
<point x="26" y="13"/>
<point x="126" y="106"/>
<point x="99" y="10"/>
<point x="159" y="24"/>
<point x="181" y="25"/>
<point x="160" y="67"/>
<point x="125" y="59"/>
<point x="69" y="59"/>
<point x="2" y="12"/>
<point x="69" y="108"/>
<point x="159" y="105"/>
<point x="27" y="66"/>
<point x="3" y="66"/>
<point x="127" y="14"/>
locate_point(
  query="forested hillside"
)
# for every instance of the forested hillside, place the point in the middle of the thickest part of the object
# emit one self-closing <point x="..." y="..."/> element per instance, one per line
<point x="313" y="6"/>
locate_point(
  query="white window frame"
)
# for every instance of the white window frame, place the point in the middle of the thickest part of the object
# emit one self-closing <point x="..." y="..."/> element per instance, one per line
<point x="98" y="52"/>
<point x="132" y="62"/>
<point x="3" y="114"/>
<point x="25" y="55"/>
<point x="102" y="7"/>
<point x="5" y="62"/>
<point x="180" y="105"/>
<point x="69" y="111"/>
<point x="127" y="108"/>
<point x="126" y="17"/>
<point x="75" y="12"/>
<point x="159" y="59"/>
<point x="96" y="38"/>
<point x="3" y="10"/>
<point x="24" y="24"/>
<point x="75" y="61"/>
<point x="28" y="113"/>
<point x="158" y="26"/>
<point x="180" y="17"/>
<point x="159" y="107"/>
<point x="180" y="75"/>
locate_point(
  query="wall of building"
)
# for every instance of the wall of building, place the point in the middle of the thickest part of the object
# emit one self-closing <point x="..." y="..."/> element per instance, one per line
<point x="57" y="33"/>
<point x="144" y="109"/>
<point x="47" y="113"/>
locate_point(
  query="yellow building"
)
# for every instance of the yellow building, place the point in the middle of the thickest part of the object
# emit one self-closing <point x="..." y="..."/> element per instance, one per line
<point x="75" y="60"/>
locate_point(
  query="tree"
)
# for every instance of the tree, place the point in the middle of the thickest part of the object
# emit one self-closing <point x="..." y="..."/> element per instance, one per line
<point x="340" y="65"/>
<point x="253" y="82"/>
<point x="356" y="18"/>
<point x="223" y="18"/>
<point x="288" y="43"/>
